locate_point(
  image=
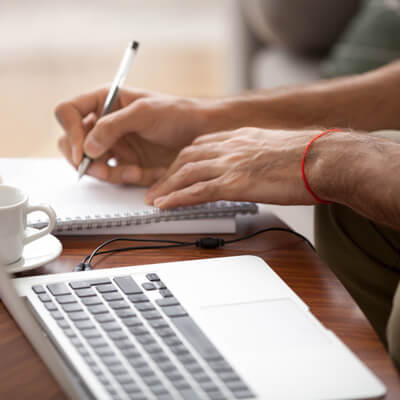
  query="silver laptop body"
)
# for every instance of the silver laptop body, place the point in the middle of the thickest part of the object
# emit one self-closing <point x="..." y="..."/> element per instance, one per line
<point x="223" y="328"/>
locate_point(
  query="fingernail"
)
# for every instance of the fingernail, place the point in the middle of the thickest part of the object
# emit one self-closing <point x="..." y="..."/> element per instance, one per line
<point x="93" y="148"/>
<point x="160" y="201"/>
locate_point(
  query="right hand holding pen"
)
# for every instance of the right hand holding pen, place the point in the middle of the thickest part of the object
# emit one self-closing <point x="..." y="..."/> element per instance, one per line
<point x="143" y="133"/>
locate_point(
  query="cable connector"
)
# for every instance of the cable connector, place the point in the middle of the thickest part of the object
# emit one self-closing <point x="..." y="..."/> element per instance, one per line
<point x="82" y="267"/>
<point x="210" y="243"/>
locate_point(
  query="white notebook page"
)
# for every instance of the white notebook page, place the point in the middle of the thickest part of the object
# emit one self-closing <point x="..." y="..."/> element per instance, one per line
<point x="55" y="182"/>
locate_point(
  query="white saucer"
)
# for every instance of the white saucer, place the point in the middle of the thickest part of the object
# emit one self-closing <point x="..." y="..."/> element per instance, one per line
<point x="37" y="253"/>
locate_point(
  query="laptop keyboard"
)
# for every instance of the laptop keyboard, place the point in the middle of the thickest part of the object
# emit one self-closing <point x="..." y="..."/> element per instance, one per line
<point x="139" y="348"/>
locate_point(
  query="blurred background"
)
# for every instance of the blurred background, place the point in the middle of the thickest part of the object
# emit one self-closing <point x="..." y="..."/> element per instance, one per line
<point x="51" y="50"/>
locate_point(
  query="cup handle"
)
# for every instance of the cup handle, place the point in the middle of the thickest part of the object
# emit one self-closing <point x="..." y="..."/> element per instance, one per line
<point x="44" y="231"/>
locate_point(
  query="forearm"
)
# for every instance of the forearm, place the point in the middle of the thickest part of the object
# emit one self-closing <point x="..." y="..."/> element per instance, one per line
<point x="363" y="102"/>
<point x="360" y="171"/>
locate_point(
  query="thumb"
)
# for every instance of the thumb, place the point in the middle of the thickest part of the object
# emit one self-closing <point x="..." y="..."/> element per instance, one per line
<point x="109" y="129"/>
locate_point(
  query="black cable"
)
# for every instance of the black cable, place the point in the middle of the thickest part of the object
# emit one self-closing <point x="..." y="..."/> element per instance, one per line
<point x="204" y="243"/>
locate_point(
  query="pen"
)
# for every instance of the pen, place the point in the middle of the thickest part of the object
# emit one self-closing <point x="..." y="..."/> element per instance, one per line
<point x="118" y="81"/>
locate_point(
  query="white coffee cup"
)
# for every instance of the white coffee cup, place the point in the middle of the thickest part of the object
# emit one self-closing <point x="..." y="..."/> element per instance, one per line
<point x="14" y="208"/>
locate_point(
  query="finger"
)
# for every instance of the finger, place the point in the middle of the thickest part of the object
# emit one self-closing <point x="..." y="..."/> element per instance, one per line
<point x="200" y="192"/>
<point x="110" y="128"/>
<point x="214" y="137"/>
<point x="125" y="174"/>
<point x="70" y="114"/>
<point x="65" y="148"/>
<point x="188" y="175"/>
<point x="191" y="154"/>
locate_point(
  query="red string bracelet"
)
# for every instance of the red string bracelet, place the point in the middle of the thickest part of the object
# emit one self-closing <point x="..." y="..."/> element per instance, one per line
<point x="303" y="165"/>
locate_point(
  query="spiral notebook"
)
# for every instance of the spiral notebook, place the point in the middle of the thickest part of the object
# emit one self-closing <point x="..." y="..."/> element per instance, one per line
<point x="95" y="207"/>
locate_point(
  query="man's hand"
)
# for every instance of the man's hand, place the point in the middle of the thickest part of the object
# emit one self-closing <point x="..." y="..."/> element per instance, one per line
<point x="143" y="134"/>
<point x="249" y="164"/>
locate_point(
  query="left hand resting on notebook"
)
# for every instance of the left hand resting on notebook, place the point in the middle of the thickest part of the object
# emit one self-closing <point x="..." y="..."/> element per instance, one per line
<point x="248" y="164"/>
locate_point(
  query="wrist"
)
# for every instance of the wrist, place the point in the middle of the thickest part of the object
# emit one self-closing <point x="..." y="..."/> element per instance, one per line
<point x="330" y="166"/>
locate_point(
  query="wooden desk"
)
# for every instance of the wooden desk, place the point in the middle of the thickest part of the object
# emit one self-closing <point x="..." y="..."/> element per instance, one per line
<point x="23" y="375"/>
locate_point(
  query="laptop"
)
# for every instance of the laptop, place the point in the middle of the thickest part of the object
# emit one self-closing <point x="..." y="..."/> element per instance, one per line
<point x="223" y="328"/>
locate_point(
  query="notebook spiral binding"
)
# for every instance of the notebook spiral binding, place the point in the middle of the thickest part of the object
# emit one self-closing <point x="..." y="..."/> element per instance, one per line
<point x="208" y="210"/>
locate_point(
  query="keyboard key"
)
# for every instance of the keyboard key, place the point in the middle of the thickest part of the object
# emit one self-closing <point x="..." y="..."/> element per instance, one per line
<point x="172" y="341"/>
<point x="72" y="307"/>
<point x="97" y="342"/>
<point x="151" y="315"/>
<point x="112" y="296"/>
<point x="57" y="315"/>
<point x="63" y="324"/>
<point x="104" y="318"/>
<point x="160" y="285"/>
<point x="50" y="306"/>
<point x="125" y="313"/>
<point x="153" y="348"/>
<point x="158" y="389"/>
<point x="165" y="332"/>
<point x="236" y="386"/>
<point x="193" y="368"/>
<point x="124" y="378"/>
<point x="158" y="323"/>
<point x="186" y="359"/>
<point x="168" y="301"/>
<point x="85" y="324"/>
<point x="189" y="394"/>
<point x="152" y="380"/>
<point x="99" y="281"/>
<point x="244" y="394"/>
<point x="38" y="289"/>
<point x="201" y="376"/>
<point x="78" y="316"/>
<point x="132" y="321"/>
<point x="65" y="299"/>
<point x="145" y="339"/>
<point x="111" y="360"/>
<point x="69" y="332"/>
<point x="209" y="386"/>
<point x="111" y="326"/>
<point x="119" y="304"/>
<point x="106" y="288"/>
<point x="138" y="298"/>
<point x="145" y="306"/>
<point x="118" y="370"/>
<point x="139" y="330"/>
<point x="117" y="335"/>
<point x="91" y="301"/>
<point x="149" y="286"/>
<point x="159" y="357"/>
<point x="104" y="351"/>
<point x="165" y="293"/>
<point x="145" y="371"/>
<point x="91" y="333"/>
<point x="85" y="292"/>
<point x="128" y="285"/>
<point x="131" y="353"/>
<point x="58" y="289"/>
<point x="175" y="311"/>
<point x="79" y="284"/>
<point x="228" y="376"/>
<point x="153" y="277"/>
<point x="131" y="387"/>
<point x="137" y="362"/>
<point x="216" y="396"/>
<point x="44" y="297"/>
<point x="220" y="366"/>
<point x="195" y="336"/>
<point x="98" y="309"/>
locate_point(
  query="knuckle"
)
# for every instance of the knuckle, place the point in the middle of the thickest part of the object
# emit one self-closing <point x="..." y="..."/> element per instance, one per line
<point x="144" y="105"/>
<point x="187" y="170"/>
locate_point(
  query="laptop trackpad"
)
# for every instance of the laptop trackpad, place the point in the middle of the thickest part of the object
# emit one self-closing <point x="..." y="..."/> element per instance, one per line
<point x="262" y="327"/>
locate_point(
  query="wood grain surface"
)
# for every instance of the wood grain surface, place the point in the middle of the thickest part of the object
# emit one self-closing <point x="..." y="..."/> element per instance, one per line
<point x="23" y="375"/>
